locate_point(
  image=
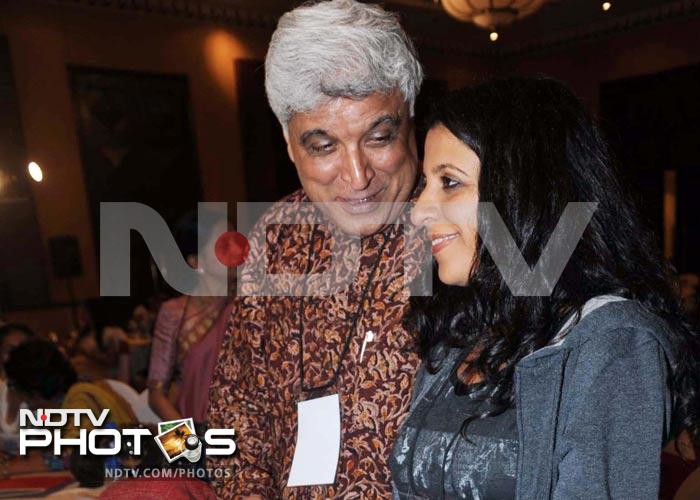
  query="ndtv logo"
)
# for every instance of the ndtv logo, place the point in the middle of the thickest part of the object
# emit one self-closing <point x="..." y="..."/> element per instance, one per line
<point x="118" y="220"/>
<point x="46" y="426"/>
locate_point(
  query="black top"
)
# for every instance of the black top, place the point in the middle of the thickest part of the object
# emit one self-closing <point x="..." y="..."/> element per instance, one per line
<point x="432" y="460"/>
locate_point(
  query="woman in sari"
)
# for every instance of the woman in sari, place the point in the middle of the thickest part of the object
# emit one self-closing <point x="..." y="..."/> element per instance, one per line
<point x="188" y="333"/>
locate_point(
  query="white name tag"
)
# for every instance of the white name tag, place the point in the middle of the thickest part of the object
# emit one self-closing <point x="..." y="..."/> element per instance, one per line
<point x="318" y="442"/>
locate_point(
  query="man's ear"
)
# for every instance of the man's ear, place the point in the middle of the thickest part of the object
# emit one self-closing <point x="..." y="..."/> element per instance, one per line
<point x="285" y="132"/>
<point x="412" y="139"/>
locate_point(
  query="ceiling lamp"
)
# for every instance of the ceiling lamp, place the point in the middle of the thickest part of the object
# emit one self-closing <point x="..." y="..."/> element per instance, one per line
<point x="35" y="171"/>
<point x="491" y="14"/>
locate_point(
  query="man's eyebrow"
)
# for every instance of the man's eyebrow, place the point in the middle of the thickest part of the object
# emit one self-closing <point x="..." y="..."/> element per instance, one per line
<point x="393" y="120"/>
<point x="306" y="136"/>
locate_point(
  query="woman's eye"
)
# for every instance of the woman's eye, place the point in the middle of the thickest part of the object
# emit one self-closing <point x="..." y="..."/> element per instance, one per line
<point x="449" y="182"/>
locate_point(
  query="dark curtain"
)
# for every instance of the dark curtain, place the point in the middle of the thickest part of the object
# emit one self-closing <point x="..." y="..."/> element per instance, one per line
<point x="653" y="123"/>
<point x="269" y="173"/>
<point x="136" y="145"/>
<point x="23" y="262"/>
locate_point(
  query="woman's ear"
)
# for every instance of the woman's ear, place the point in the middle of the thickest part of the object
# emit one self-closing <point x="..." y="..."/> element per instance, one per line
<point x="192" y="261"/>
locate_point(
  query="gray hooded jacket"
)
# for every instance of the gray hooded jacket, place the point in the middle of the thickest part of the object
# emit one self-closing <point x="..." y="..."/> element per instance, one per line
<point x="593" y="409"/>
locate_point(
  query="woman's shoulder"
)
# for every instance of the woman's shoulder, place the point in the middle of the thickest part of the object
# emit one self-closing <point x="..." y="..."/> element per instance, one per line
<point x="176" y="305"/>
<point x="619" y="329"/>
<point x="170" y="314"/>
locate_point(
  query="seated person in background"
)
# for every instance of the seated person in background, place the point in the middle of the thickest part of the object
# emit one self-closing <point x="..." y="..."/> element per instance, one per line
<point x="189" y="331"/>
<point x="44" y="377"/>
<point x="100" y="350"/>
<point x="40" y="373"/>
<point x="143" y="319"/>
<point x="11" y="335"/>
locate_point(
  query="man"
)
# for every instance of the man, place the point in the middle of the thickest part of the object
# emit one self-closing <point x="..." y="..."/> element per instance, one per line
<point x="11" y="335"/>
<point x="341" y="77"/>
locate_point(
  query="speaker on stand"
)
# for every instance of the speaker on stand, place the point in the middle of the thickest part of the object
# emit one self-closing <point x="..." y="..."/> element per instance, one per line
<point x="66" y="264"/>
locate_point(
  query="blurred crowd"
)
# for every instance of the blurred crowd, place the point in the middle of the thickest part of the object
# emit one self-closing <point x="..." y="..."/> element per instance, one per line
<point x="106" y="363"/>
<point x="140" y="360"/>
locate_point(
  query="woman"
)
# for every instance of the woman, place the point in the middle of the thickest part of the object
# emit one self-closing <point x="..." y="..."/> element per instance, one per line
<point x="188" y="332"/>
<point x="567" y="395"/>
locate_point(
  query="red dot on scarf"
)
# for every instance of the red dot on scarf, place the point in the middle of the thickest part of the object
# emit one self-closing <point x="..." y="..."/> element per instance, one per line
<point x="232" y="249"/>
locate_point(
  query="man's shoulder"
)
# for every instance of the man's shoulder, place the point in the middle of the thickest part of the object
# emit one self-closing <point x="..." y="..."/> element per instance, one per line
<point x="294" y="197"/>
<point x="273" y="234"/>
<point x="289" y="206"/>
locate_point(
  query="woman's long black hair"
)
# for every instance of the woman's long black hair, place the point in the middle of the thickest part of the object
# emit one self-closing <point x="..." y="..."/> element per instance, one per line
<point x="540" y="150"/>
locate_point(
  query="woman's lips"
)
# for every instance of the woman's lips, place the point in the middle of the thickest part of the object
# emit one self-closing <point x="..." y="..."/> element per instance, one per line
<point x="358" y="206"/>
<point x="440" y="241"/>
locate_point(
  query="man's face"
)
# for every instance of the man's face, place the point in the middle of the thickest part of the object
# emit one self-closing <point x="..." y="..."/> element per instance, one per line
<point x="357" y="155"/>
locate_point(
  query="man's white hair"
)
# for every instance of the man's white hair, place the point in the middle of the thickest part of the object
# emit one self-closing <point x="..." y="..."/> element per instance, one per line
<point x="338" y="48"/>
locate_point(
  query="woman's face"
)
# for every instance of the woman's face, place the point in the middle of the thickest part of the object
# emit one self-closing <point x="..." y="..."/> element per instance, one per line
<point x="447" y="207"/>
<point x="207" y="259"/>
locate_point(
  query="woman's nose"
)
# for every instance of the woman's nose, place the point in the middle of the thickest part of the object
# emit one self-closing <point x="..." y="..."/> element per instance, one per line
<point x="425" y="210"/>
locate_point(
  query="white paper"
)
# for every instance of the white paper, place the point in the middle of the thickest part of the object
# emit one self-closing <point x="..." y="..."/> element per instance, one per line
<point x="318" y="442"/>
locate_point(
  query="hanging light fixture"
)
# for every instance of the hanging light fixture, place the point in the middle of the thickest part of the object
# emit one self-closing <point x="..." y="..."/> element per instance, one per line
<point x="491" y="14"/>
<point x="35" y="171"/>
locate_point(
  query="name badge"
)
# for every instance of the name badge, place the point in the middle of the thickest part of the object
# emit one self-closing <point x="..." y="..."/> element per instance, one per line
<point x="318" y="442"/>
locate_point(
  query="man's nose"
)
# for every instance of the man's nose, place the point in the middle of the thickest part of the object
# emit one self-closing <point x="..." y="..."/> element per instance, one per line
<point x="357" y="170"/>
<point x="424" y="211"/>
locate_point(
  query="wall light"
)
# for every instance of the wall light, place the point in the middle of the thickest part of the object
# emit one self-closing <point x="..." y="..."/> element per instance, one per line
<point x="35" y="171"/>
<point x="493" y="36"/>
<point x="606" y="6"/>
